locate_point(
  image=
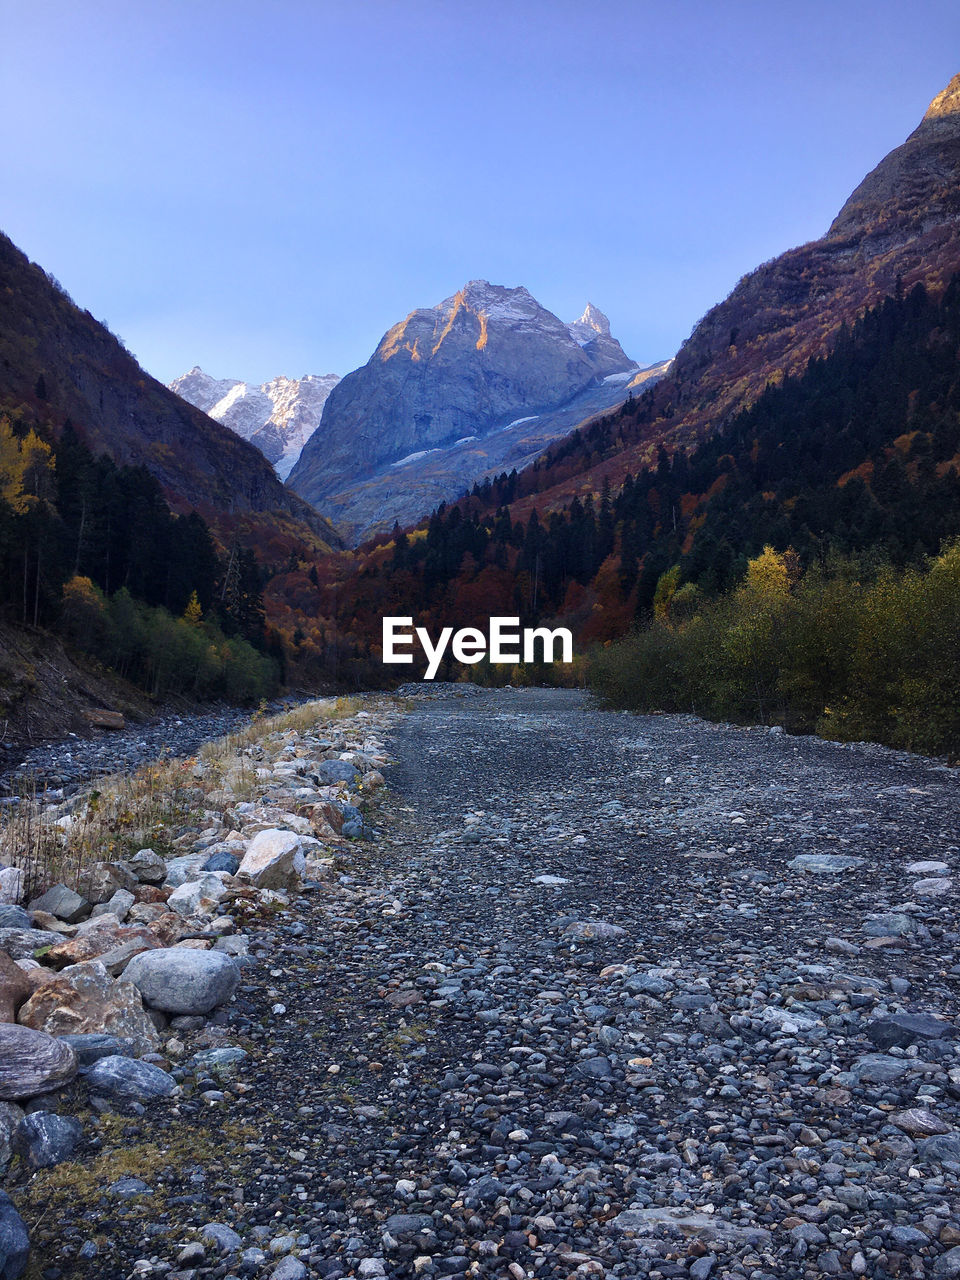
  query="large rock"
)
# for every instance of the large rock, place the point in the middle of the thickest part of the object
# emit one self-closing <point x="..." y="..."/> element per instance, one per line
<point x="84" y="998"/>
<point x="20" y="944"/>
<point x="903" y="1029"/>
<point x="941" y="1148"/>
<point x="920" y="1122"/>
<point x="15" y="987"/>
<point x="592" y="931"/>
<point x="119" y="905"/>
<point x="830" y="863"/>
<point x="32" y="1062"/>
<point x="222" y="860"/>
<point x="44" y="1139"/>
<point x="182" y="981"/>
<point x="121" y="1077"/>
<point x="148" y="867"/>
<point x="12" y="917"/>
<point x="180" y="870"/>
<point x="91" y="1046"/>
<point x="197" y="895"/>
<point x="63" y="903"/>
<point x="12" y="883"/>
<point x="14" y="1241"/>
<point x="85" y="946"/>
<point x="688" y="1223"/>
<point x="330" y="772"/>
<point x="881" y="1068"/>
<point x="274" y="860"/>
<point x="100" y="881"/>
<point x="890" y="924"/>
<point x="935" y="887"/>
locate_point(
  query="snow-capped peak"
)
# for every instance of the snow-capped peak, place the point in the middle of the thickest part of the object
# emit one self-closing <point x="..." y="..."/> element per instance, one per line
<point x="591" y="325"/>
<point x="278" y="416"/>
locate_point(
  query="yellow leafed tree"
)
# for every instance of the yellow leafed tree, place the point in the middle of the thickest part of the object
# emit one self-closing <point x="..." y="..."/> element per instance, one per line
<point x="193" y="612"/>
<point x="26" y="468"/>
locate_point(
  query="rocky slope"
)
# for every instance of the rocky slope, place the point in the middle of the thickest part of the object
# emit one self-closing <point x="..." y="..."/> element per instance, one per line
<point x="900" y="226"/>
<point x="278" y="417"/>
<point x="606" y="996"/>
<point x="462" y="373"/>
<point x="57" y="362"/>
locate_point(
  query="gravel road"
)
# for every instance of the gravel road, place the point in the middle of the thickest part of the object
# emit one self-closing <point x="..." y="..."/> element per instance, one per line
<point x="577" y="1010"/>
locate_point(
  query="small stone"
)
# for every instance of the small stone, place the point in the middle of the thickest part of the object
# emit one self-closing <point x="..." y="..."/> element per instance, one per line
<point x="593" y="931"/>
<point x="44" y="1139"/>
<point x="130" y="1078"/>
<point x="128" y="1188"/>
<point x="225" y="1238"/>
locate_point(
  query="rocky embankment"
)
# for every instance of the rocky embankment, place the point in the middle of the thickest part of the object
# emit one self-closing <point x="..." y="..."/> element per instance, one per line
<point x="57" y="768"/>
<point x="602" y="995"/>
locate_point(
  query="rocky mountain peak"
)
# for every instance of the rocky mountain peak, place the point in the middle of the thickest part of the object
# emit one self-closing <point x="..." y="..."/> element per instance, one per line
<point x="278" y="416"/>
<point x="915" y="185"/>
<point x="200" y="390"/>
<point x="943" y="113"/>
<point x="495" y="302"/>
<point x="591" y="324"/>
<point x="486" y="362"/>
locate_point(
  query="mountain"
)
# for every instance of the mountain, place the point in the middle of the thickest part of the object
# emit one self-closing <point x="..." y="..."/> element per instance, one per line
<point x="278" y="416"/>
<point x="58" y="363"/>
<point x="900" y="227"/>
<point x="482" y="381"/>
<point x="814" y="408"/>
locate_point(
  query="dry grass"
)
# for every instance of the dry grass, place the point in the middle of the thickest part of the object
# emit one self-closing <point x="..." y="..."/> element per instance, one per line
<point x="147" y="808"/>
<point x="119" y="815"/>
<point x="302" y="719"/>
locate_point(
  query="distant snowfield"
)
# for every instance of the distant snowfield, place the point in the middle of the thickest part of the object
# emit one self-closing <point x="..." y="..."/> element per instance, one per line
<point x="415" y="457"/>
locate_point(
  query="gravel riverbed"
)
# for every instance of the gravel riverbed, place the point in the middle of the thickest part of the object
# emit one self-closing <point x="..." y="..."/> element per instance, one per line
<point x="607" y="996"/>
<point x="62" y="766"/>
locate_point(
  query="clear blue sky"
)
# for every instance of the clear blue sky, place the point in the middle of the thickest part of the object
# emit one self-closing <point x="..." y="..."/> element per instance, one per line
<point x="264" y="186"/>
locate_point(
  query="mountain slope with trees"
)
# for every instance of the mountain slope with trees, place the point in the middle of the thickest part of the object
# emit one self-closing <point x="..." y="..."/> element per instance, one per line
<point x="58" y="364"/>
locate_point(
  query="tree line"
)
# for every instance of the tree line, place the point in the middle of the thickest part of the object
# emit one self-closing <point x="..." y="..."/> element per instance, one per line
<point x="91" y="550"/>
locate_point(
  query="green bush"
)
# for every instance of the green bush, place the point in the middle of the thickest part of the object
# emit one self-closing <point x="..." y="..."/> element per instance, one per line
<point x="846" y="652"/>
<point x="163" y="654"/>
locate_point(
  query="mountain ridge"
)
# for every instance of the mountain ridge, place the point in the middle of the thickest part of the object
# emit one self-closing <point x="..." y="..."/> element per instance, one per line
<point x="784" y="312"/>
<point x="485" y="360"/>
<point x="278" y="416"/>
<point x="58" y="363"/>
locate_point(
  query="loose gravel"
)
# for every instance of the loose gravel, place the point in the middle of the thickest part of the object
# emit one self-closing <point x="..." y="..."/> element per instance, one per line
<point x="606" y="996"/>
